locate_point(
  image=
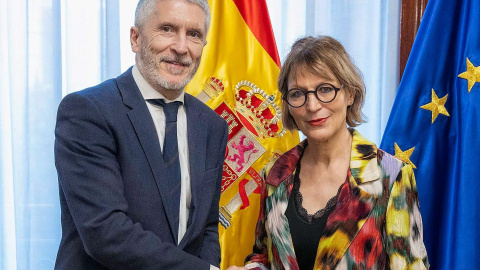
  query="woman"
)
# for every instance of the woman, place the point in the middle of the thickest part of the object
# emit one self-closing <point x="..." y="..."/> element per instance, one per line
<point x="335" y="201"/>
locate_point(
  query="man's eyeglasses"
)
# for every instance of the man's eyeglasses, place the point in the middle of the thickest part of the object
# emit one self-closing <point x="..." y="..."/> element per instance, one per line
<point x="325" y="93"/>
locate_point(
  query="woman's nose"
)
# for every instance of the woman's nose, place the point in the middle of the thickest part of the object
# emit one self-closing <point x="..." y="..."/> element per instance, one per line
<point x="312" y="103"/>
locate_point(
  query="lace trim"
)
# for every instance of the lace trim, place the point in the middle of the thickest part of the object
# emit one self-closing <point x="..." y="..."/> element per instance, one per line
<point x="299" y="199"/>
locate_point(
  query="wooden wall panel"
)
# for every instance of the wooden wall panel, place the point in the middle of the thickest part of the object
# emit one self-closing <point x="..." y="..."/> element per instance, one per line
<point x="412" y="13"/>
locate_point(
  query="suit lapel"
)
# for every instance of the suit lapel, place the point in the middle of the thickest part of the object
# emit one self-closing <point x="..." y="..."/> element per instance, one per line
<point x="197" y="137"/>
<point x="142" y="122"/>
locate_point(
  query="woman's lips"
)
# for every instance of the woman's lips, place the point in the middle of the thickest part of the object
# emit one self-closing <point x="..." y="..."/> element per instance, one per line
<point x="318" y="122"/>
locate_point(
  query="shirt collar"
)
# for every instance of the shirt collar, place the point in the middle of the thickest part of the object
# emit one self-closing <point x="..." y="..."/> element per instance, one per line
<point x="147" y="91"/>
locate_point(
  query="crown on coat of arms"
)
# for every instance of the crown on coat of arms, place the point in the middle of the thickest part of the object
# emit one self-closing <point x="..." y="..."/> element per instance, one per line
<point x="257" y="110"/>
<point x="213" y="87"/>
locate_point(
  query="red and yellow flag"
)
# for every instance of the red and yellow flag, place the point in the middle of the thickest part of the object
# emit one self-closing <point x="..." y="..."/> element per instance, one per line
<point x="237" y="78"/>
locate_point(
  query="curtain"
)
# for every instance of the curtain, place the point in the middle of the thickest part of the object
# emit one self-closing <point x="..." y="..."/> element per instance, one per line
<point x="30" y="88"/>
<point x="49" y="48"/>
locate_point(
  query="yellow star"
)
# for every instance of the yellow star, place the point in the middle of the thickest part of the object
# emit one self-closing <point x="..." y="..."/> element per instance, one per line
<point x="404" y="155"/>
<point x="436" y="106"/>
<point x="472" y="75"/>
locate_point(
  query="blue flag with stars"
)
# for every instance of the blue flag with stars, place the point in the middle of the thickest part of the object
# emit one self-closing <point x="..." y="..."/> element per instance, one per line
<point x="435" y="125"/>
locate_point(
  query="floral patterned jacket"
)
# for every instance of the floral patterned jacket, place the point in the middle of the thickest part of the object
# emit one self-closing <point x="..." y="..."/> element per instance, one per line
<point x="376" y="223"/>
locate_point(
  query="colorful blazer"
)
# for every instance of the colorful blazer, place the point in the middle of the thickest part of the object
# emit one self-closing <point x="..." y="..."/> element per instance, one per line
<point x="376" y="223"/>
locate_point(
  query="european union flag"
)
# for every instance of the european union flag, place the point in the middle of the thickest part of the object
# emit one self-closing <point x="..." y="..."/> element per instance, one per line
<point x="435" y="125"/>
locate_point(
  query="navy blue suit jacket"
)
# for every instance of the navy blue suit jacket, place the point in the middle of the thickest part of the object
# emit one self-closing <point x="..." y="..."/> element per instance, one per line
<point x="114" y="201"/>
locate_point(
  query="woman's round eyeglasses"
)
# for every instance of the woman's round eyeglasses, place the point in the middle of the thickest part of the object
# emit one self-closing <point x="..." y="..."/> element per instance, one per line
<point x="325" y="93"/>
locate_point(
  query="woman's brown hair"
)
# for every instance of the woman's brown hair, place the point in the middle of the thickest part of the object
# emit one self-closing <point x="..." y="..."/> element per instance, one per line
<point x="323" y="55"/>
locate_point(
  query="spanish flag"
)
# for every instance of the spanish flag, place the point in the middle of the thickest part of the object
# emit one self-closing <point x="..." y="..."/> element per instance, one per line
<point x="237" y="78"/>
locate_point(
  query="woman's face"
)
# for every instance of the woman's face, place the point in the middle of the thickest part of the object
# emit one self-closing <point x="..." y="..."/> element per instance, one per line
<point x="318" y="121"/>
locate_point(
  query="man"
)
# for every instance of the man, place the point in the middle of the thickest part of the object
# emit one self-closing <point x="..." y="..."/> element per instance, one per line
<point x="127" y="201"/>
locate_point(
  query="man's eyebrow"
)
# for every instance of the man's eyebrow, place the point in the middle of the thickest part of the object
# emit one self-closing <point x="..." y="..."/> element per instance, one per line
<point x="198" y="29"/>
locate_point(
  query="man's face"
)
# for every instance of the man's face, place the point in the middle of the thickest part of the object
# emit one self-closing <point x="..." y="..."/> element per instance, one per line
<point x="170" y="46"/>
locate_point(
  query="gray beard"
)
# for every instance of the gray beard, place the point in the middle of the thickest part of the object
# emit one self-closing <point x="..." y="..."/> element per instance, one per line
<point x="148" y="66"/>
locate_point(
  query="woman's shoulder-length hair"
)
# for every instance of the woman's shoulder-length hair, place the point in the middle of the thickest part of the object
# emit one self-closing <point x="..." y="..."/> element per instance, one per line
<point x="323" y="56"/>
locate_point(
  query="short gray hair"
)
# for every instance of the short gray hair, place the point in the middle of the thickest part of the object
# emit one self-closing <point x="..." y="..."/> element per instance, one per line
<point x="146" y="7"/>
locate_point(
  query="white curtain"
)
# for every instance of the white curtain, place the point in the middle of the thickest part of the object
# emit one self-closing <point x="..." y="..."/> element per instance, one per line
<point x="369" y="31"/>
<point x="49" y="48"/>
<point x="30" y="88"/>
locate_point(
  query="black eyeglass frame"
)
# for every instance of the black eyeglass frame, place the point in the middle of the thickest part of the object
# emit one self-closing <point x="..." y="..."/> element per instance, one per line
<point x="305" y="94"/>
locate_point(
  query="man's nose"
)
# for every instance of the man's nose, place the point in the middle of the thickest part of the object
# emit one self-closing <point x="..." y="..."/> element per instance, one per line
<point x="180" y="44"/>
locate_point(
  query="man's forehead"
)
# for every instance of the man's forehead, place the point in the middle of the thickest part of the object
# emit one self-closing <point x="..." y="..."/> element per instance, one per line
<point x="176" y="11"/>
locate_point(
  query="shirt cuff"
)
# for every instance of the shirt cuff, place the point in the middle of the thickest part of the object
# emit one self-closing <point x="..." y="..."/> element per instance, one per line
<point x="214" y="267"/>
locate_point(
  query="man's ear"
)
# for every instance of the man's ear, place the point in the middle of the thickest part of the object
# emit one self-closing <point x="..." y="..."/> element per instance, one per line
<point x="135" y="39"/>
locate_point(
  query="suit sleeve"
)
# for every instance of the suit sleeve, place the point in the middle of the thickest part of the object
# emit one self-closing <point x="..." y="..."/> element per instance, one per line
<point x="404" y="227"/>
<point x="91" y="182"/>
<point x="210" y="250"/>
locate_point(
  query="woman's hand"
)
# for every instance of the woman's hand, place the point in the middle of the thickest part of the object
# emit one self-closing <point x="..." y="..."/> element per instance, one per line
<point x="233" y="267"/>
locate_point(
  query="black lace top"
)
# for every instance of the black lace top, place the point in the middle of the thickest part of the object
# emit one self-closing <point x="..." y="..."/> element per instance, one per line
<point x="306" y="230"/>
